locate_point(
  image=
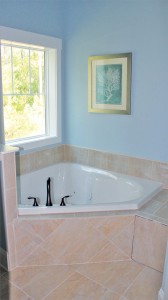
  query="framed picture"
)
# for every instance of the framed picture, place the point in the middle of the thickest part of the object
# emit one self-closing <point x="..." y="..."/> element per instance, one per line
<point x="109" y="84"/>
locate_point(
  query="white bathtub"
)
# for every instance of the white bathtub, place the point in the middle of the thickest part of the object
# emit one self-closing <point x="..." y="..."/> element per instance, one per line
<point x="90" y="190"/>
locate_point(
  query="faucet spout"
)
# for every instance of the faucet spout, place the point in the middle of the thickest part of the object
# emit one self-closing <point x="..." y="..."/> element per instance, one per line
<point x="48" y="202"/>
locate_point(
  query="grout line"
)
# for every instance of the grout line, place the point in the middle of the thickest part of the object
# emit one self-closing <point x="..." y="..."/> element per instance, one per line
<point x="75" y="264"/>
<point x="112" y="289"/>
<point x="131" y="284"/>
<point x="98" y="283"/>
<point x="19" y="288"/>
<point x="133" y="237"/>
<point x="59" y="285"/>
<point x="90" y="259"/>
<point x="14" y="236"/>
<point x="141" y="263"/>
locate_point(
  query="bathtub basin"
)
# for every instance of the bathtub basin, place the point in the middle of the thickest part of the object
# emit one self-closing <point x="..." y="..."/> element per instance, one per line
<point x="90" y="190"/>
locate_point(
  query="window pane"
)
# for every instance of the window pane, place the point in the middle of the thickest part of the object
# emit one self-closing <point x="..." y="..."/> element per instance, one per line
<point x="23" y="92"/>
<point x="24" y="116"/>
<point x="20" y="60"/>
<point x="37" y="71"/>
<point x="6" y="69"/>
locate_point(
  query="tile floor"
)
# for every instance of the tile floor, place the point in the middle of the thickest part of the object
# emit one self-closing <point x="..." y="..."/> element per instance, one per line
<point x="117" y="280"/>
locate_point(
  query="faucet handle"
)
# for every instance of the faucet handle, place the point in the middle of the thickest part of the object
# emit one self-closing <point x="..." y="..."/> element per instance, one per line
<point x="35" y="201"/>
<point x="62" y="200"/>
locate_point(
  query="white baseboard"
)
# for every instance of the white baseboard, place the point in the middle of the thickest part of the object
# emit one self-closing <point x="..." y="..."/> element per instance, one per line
<point x="161" y="295"/>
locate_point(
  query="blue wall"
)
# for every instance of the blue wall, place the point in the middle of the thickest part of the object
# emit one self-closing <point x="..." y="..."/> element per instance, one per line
<point x="39" y="16"/>
<point x="96" y="27"/>
<point x="99" y="27"/>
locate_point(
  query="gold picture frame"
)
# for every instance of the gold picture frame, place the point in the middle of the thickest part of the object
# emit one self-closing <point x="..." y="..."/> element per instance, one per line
<point x="109" y="84"/>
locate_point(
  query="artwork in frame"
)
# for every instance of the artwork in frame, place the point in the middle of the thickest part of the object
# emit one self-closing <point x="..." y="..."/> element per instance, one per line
<point x="109" y="83"/>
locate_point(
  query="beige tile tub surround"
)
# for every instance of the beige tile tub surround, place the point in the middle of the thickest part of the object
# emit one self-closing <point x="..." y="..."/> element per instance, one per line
<point x="9" y="203"/>
<point x="149" y="244"/>
<point x="156" y="209"/>
<point x="81" y="257"/>
<point x="144" y="168"/>
<point x="26" y="241"/>
<point x="29" y="162"/>
<point x="73" y="240"/>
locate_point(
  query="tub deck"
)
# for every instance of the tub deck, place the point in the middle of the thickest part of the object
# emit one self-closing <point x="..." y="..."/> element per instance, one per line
<point x="156" y="209"/>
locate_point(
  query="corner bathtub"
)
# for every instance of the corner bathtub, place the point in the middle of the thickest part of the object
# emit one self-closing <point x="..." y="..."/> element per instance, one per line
<point x="90" y="190"/>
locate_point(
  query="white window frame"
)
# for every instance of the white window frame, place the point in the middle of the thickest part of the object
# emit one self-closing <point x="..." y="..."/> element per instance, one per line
<point x="54" y="47"/>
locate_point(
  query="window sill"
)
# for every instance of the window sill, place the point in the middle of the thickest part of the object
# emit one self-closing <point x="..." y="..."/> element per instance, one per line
<point x="34" y="144"/>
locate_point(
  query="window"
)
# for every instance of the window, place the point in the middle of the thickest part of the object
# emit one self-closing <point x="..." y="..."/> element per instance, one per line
<point x="31" y="82"/>
<point x="24" y="91"/>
